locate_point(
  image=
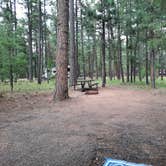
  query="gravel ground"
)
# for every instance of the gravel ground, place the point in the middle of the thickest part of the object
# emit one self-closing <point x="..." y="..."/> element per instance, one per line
<point x="118" y="123"/>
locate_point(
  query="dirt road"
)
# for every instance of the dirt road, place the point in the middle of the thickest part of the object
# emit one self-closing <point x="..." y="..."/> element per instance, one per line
<point x="118" y="123"/>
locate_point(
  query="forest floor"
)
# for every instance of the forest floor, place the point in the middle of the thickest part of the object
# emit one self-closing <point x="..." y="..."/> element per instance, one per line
<point x="119" y="122"/>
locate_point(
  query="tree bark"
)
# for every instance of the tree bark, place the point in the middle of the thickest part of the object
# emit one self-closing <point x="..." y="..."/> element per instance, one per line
<point x="76" y="43"/>
<point x="82" y="46"/>
<point x="147" y="61"/>
<point x="72" y="57"/>
<point x="103" y="55"/>
<point x="131" y="69"/>
<point x="152" y="55"/>
<point x="61" y="91"/>
<point x="139" y="66"/>
<point x="120" y="64"/>
<point x="39" y="43"/>
<point x="29" y="14"/>
<point x="152" y="69"/>
<point x="162" y="65"/>
<point x="45" y="42"/>
<point x="89" y="58"/>
<point x="9" y="18"/>
<point x="94" y="56"/>
<point x="109" y="53"/>
<point x="127" y="59"/>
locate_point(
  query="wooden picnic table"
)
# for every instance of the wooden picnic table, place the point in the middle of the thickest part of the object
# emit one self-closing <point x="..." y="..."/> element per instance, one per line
<point x="83" y="82"/>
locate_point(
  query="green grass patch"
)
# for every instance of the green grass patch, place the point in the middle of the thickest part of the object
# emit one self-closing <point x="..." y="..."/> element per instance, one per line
<point x="26" y="86"/>
<point x="137" y="84"/>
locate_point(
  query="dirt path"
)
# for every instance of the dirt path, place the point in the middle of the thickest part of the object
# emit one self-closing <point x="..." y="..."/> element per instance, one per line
<point x="118" y="123"/>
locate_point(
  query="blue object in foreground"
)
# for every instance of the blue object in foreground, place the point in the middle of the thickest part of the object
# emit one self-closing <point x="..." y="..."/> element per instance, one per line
<point x="112" y="162"/>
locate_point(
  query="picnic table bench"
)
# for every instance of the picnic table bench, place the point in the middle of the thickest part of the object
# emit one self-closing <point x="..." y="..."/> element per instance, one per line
<point x="89" y="82"/>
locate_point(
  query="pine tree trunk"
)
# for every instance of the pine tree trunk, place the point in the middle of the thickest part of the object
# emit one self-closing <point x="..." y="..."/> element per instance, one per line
<point x="120" y="58"/>
<point x="152" y="69"/>
<point x="89" y="57"/>
<point x="11" y="76"/>
<point x="82" y="47"/>
<point x="77" y="32"/>
<point x="103" y="55"/>
<point x="37" y="55"/>
<point x="109" y="54"/>
<point x="152" y="56"/>
<point x="40" y="43"/>
<point x="120" y="65"/>
<point x="45" y="42"/>
<point x="11" y="50"/>
<point x="94" y="56"/>
<point x="100" y="63"/>
<point x="134" y="64"/>
<point x="147" y="62"/>
<point x="96" y="66"/>
<point x="72" y="57"/>
<point x="127" y="59"/>
<point x="61" y="91"/>
<point x="139" y="66"/>
<point x="30" y="66"/>
<point x="131" y="70"/>
<point x="162" y="73"/>
<point x="161" y="62"/>
<point x="113" y="51"/>
<point x="152" y="63"/>
<point x="131" y="42"/>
